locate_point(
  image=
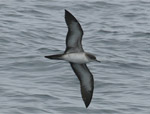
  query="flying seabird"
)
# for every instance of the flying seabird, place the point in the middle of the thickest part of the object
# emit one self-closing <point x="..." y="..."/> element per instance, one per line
<point x="75" y="54"/>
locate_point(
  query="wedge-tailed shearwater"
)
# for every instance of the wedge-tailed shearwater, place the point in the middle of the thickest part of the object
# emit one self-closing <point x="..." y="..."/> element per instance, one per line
<point x="75" y="54"/>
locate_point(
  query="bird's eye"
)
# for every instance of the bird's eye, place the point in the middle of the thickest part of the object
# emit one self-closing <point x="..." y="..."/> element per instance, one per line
<point x="91" y="56"/>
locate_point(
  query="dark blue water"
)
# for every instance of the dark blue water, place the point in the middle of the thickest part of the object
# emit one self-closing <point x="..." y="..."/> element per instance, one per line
<point x="116" y="31"/>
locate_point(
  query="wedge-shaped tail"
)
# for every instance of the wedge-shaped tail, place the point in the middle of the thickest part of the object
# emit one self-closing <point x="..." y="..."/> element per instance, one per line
<point x="57" y="57"/>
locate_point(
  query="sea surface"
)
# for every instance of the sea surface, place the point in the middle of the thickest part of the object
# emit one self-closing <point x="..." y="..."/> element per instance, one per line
<point x="116" y="31"/>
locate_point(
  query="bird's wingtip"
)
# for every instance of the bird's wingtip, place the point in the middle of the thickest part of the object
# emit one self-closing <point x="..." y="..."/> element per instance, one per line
<point x="86" y="105"/>
<point x="66" y="11"/>
<point x="86" y="96"/>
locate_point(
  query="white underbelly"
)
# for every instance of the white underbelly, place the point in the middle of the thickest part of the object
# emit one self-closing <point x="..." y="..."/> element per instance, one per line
<point x="76" y="58"/>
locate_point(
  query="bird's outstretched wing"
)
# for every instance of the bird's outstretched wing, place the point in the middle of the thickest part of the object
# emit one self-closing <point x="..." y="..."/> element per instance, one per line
<point x="86" y="81"/>
<point x="74" y="35"/>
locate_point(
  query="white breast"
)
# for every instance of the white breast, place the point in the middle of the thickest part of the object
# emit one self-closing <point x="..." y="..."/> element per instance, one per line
<point x="76" y="58"/>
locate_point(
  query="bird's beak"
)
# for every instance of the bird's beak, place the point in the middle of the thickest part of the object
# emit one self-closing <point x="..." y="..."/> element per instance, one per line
<point x="98" y="61"/>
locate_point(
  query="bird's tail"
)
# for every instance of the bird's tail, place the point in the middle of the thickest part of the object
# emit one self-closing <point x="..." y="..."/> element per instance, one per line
<point x="57" y="57"/>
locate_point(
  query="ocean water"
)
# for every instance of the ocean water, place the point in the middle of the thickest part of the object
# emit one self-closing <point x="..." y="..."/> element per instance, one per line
<point x="116" y="31"/>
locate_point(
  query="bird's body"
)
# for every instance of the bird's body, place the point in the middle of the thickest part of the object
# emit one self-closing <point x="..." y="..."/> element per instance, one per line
<point x="77" y="58"/>
<point x="80" y="57"/>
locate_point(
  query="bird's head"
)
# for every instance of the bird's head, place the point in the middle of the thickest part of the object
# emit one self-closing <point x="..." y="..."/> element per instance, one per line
<point x="91" y="57"/>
